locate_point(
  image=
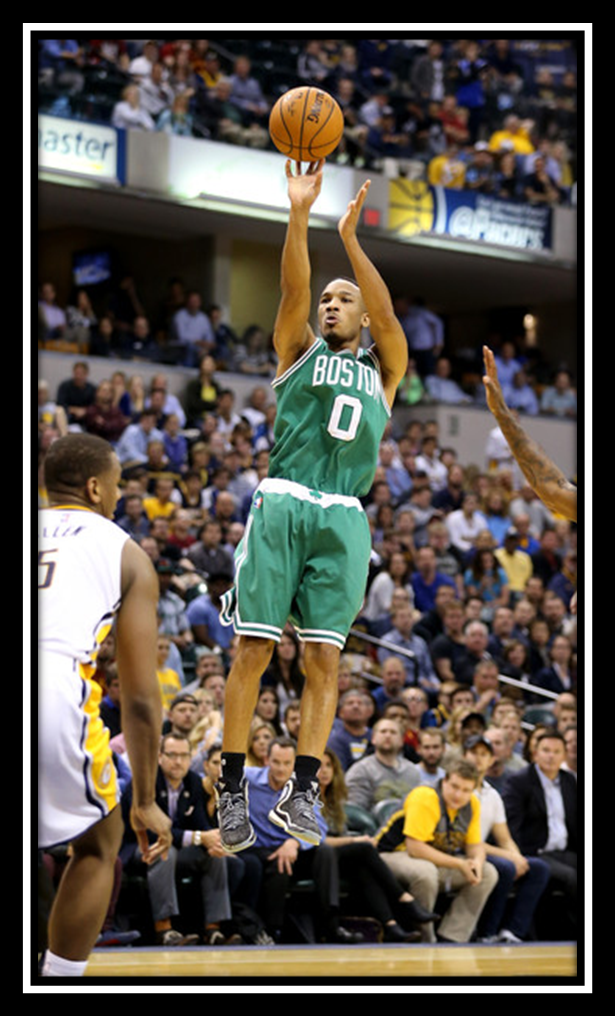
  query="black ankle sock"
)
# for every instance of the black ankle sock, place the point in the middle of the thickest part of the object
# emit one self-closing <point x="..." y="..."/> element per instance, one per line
<point x="306" y="767"/>
<point x="232" y="768"/>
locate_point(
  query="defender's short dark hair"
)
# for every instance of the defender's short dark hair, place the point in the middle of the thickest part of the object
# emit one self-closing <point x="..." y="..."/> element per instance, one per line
<point x="74" y="459"/>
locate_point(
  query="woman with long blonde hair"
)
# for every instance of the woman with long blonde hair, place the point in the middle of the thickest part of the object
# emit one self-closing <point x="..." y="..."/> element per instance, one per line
<point x="260" y="737"/>
<point x="208" y="728"/>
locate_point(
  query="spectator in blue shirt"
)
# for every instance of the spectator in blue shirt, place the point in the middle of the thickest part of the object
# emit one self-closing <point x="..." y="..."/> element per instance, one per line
<point x="560" y="398"/>
<point x="521" y="396"/>
<point x="284" y="859"/>
<point x="426" y="580"/>
<point x="64" y="58"/>
<point x="175" y="445"/>
<point x="442" y="387"/>
<point x="192" y="331"/>
<point x="134" y="520"/>
<point x="351" y="735"/>
<point x="419" y="668"/>
<point x="424" y="332"/>
<point x="247" y="93"/>
<point x="507" y="364"/>
<point x="132" y="447"/>
<point x="203" y="613"/>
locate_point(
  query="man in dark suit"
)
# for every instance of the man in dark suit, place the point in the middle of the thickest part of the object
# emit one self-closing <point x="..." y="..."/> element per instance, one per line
<point x="541" y="805"/>
<point x="196" y="849"/>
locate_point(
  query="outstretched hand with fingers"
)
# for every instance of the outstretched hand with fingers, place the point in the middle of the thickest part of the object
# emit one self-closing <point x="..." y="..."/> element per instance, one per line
<point x="347" y="226"/>
<point x="495" y="396"/>
<point x="304" y="186"/>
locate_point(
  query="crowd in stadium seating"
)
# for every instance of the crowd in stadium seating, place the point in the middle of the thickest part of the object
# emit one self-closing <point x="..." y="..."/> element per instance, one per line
<point x="471" y="590"/>
<point x="114" y="323"/>
<point x="496" y="116"/>
<point x="472" y="581"/>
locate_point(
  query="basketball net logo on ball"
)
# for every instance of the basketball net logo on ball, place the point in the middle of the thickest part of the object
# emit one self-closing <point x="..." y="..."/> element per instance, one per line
<point x="306" y="124"/>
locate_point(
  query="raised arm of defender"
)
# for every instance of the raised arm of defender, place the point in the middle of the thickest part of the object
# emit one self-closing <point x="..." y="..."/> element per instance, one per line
<point x="384" y="325"/>
<point x="543" y="476"/>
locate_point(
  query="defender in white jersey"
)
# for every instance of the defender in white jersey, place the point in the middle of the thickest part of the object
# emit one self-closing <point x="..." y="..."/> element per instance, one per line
<point x="79" y="568"/>
<point x="306" y="554"/>
<point x="91" y="577"/>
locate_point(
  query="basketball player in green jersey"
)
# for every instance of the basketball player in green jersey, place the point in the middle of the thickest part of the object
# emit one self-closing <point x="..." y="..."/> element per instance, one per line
<point x="305" y="552"/>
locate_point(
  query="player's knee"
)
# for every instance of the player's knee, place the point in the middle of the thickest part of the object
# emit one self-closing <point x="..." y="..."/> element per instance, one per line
<point x="322" y="659"/>
<point x="254" y="654"/>
<point x="103" y="840"/>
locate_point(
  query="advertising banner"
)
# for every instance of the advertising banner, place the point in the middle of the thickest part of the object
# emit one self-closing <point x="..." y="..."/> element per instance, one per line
<point x="417" y="208"/>
<point x="80" y="148"/>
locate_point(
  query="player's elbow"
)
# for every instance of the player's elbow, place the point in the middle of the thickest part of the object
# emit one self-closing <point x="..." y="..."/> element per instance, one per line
<point x="142" y="708"/>
<point x="558" y="499"/>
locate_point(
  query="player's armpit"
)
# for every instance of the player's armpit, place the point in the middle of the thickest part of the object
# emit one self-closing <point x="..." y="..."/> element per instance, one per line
<point x="290" y="340"/>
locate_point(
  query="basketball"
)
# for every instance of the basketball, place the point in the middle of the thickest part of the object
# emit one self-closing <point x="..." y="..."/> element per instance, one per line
<point x="306" y="124"/>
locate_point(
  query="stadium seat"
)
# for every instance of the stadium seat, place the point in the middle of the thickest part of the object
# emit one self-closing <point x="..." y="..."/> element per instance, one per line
<point x="383" y="810"/>
<point x="360" y="821"/>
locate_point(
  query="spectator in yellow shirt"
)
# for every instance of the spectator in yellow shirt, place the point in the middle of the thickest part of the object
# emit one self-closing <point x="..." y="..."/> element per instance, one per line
<point x="447" y="170"/>
<point x="168" y="679"/>
<point x="516" y="132"/>
<point x="434" y="844"/>
<point x="516" y="563"/>
<point x="163" y="502"/>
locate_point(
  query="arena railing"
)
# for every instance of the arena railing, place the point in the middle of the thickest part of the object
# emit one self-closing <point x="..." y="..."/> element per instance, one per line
<point x="402" y="651"/>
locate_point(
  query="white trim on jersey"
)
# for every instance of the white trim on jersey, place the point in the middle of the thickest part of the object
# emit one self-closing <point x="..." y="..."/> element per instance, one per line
<point x="333" y="638"/>
<point x="276" y="485"/>
<point x="372" y="355"/>
<point x="299" y="363"/>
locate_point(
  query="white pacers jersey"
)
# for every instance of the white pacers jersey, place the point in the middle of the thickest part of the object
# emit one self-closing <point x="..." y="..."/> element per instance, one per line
<point x="79" y="592"/>
<point x="79" y="575"/>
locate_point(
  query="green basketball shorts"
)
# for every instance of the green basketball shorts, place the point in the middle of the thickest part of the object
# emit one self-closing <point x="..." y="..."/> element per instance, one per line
<point x="303" y="558"/>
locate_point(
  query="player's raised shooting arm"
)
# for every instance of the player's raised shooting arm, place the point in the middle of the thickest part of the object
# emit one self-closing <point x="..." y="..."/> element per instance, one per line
<point x="543" y="476"/>
<point x="292" y="333"/>
<point x="384" y="325"/>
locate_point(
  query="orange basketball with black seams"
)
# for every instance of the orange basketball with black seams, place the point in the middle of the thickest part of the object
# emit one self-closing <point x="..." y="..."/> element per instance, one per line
<point x="306" y="124"/>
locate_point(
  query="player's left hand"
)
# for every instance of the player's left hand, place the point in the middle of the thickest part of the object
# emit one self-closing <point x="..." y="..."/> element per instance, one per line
<point x="493" y="390"/>
<point x="151" y="817"/>
<point x="349" y="221"/>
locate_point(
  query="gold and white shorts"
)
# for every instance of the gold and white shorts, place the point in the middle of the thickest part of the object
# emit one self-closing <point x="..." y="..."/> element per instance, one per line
<point x="77" y="779"/>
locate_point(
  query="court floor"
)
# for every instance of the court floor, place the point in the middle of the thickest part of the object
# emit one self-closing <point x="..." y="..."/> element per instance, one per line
<point x="548" y="960"/>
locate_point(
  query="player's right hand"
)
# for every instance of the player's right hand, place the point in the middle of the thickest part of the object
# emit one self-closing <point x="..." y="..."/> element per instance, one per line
<point x="151" y="817"/>
<point x="304" y="187"/>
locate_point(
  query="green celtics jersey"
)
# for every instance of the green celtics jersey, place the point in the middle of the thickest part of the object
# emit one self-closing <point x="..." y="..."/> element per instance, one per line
<point x="331" y="415"/>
